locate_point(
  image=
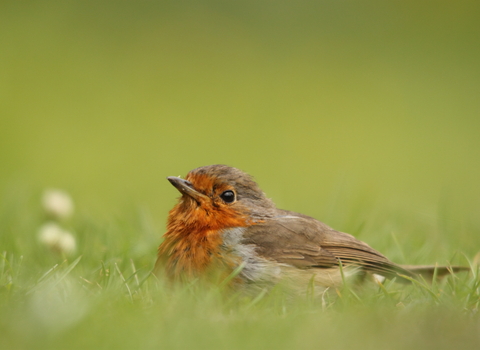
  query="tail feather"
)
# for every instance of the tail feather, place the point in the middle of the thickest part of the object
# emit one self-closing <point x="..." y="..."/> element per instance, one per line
<point x="428" y="271"/>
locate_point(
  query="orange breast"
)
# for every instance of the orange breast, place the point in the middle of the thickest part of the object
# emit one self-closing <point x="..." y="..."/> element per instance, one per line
<point x="189" y="254"/>
<point x="193" y="240"/>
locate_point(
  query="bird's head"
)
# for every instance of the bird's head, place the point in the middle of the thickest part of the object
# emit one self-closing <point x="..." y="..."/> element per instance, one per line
<point x="217" y="197"/>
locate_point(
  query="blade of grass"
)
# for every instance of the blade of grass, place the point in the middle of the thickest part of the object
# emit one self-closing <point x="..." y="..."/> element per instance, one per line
<point x="259" y="297"/>
<point x="423" y="286"/>
<point x="344" y="281"/>
<point x="124" y="282"/>
<point x="232" y="275"/>
<point x="135" y="272"/>
<point x="67" y="271"/>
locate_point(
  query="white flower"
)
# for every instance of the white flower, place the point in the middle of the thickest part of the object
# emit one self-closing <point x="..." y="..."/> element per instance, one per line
<point x="56" y="238"/>
<point x="67" y="243"/>
<point x="378" y="278"/>
<point x="57" y="203"/>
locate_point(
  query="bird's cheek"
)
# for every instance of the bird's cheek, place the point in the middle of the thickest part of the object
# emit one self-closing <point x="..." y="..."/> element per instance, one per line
<point x="234" y="218"/>
<point x="191" y="203"/>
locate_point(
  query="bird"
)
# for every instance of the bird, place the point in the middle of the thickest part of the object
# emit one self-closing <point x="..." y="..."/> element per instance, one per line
<point x="224" y="222"/>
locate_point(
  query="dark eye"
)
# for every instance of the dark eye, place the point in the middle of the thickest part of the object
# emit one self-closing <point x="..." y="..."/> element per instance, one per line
<point x="228" y="196"/>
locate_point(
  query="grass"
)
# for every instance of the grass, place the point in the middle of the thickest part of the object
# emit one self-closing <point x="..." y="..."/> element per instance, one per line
<point x="105" y="297"/>
<point x="364" y="115"/>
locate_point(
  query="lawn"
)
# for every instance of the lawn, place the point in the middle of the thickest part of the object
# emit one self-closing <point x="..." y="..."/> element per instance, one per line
<point x="363" y="115"/>
<point x="103" y="296"/>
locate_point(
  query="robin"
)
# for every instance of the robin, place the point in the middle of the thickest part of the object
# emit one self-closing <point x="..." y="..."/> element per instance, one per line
<point x="224" y="220"/>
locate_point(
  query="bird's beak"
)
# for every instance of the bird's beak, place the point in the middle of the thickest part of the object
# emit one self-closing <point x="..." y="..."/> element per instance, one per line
<point x="186" y="187"/>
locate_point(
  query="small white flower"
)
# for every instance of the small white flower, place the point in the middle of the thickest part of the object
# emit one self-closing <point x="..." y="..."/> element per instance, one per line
<point x="49" y="233"/>
<point x="67" y="243"/>
<point x="57" y="203"/>
<point x="378" y="278"/>
<point x="56" y="238"/>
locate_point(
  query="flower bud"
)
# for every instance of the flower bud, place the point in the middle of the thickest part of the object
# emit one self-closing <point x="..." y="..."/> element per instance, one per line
<point x="57" y="204"/>
<point x="56" y="238"/>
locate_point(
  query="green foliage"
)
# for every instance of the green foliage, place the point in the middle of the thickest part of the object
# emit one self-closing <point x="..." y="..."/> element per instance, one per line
<point x="107" y="298"/>
<point x="361" y="114"/>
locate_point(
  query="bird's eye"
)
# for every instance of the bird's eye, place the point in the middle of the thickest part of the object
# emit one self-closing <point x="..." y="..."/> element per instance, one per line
<point x="228" y="196"/>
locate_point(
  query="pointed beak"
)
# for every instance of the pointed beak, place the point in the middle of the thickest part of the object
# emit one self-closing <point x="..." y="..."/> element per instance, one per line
<point x="185" y="187"/>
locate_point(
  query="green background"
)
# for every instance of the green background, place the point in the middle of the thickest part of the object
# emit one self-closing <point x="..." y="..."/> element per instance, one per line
<point x="363" y="114"/>
<point x="105" y="99"/>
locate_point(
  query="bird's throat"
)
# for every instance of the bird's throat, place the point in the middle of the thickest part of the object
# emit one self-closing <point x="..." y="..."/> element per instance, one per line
<point x="188" y="253"/>
<point x="192" y="241"/>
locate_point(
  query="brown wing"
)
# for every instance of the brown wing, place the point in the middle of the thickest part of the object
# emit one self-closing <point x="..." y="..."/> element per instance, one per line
<point x="304" y="242"/>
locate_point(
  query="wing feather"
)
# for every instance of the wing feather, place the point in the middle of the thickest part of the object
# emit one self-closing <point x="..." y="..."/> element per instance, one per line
<point x="305" y="242"/>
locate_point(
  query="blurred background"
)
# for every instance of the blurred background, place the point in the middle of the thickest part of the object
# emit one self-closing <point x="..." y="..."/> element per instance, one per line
<point x="331" y="105"/>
